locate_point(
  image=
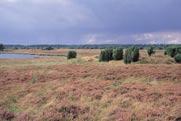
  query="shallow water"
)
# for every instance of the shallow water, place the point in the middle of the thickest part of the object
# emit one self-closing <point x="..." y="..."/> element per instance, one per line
<point x="18" y="56"/>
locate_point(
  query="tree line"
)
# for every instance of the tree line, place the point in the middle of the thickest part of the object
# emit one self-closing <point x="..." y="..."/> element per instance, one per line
<point x="92" y="46"/>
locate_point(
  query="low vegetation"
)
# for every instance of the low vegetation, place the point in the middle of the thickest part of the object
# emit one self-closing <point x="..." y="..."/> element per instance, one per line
<point x="82" y="89"/>
<point x="71" y="54"/>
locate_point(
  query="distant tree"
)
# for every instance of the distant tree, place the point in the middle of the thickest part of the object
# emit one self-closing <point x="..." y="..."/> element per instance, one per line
<point x="71" y="54"/>
<point x="118" y="54"/>
<point x="49" y="48"/>
<point x="150" y="51"/>
<point x="2" y="47"/>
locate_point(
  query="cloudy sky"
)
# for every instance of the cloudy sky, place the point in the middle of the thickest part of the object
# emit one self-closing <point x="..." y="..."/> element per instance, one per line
<point x="90" y="21"/>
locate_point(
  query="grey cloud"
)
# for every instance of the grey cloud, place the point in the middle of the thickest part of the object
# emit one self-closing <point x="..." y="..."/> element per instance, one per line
<point x="87" y="21"/>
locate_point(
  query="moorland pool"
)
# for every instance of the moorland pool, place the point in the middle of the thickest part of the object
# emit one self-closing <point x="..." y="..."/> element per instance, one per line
<point x="17" y="56"/>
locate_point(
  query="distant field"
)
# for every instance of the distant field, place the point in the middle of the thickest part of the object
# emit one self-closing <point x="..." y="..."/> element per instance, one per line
<point x="84" y="89"/>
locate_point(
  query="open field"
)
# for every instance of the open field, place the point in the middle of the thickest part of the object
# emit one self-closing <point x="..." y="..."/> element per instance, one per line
<point x="83" y="89"/>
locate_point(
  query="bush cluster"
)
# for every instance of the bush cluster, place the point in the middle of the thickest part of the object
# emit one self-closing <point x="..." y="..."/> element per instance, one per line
<point x="131" y="55"/>
<point x="71" y="54"/>
<point x="150" y="51"/>
<point x="174" y="52"/>
<point x="111" y="54"/>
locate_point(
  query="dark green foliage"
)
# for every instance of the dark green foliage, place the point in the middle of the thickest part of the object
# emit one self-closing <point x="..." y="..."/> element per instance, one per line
<point x="173" y="51"/>
<point x="109" y="53"/>
<point x="106" y="55"/>
<point x="2" y="47"/>
<point x="178" y="58"/>
<point x="127" y="56"/>
<point x="71" y="54"/>
<point x="131" y="55"/>
<point x="102" y="56"/>
<point x="135" y="54"/>
<point x="150" y="51"/>
<point x="118" y="54"/>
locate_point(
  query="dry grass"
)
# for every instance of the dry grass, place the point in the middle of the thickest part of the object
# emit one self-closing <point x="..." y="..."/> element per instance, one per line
<point x="54" y="89"/>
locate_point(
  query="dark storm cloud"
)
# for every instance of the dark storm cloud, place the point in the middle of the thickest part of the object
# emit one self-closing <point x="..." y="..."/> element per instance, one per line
<point x="89" y="21"/>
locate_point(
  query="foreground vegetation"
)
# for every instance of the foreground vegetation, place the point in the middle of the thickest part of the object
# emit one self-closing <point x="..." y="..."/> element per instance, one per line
<point x="83" y="89"/>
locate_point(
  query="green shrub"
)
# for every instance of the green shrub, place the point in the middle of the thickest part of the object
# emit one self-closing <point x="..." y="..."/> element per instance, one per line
<point x="127" y="56"/>
<point x="173" y="51"/>
<point x="2" y="47"/>
<point x="150" y="51"/>
<point x="118" y="54"/>
<point x="106" y="55"/>
<point x="131" y="55"/>
<point x="102" y="56"/>
<point x="135" y="54"/>
<point x="178" y="58"/>
<point x="71" y="54"/>
<point x="109" y="53"/>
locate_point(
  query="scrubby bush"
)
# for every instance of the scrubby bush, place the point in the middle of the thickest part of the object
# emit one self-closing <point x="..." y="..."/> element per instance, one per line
<point x="173" y="51"/>
<point x="118" y="54"/>
<point x="2" y="47"/>
<point x="178" y="58"/>
<point x="135" y="54"/>
<point x="102" y="56"/>
<point x="150" y="51"/>
<point x="71" y="54"/>
<point x="106" y="55"/>
<point x="131" y="55"/>
<point x="109" y="54"/>
<point x="127" y="56"/>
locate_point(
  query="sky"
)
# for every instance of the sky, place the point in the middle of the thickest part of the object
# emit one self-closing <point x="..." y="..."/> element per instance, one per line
<point x="90" y="21"/>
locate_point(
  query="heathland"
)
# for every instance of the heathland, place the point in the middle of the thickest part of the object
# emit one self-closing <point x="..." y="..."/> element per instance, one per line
<point x="52" y="88"/>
